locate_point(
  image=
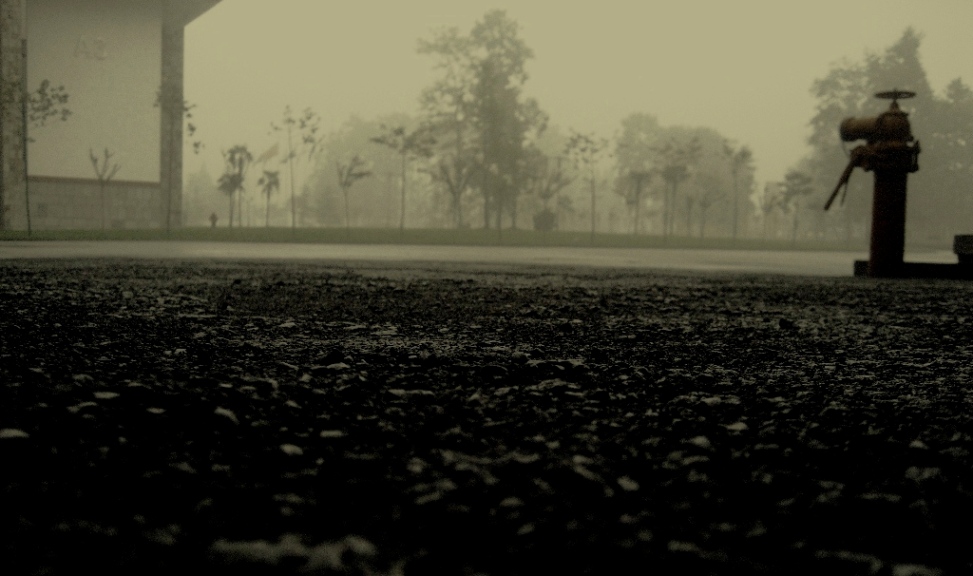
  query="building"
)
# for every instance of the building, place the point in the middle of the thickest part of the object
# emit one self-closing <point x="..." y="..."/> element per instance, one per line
<point x="121" y="63"/>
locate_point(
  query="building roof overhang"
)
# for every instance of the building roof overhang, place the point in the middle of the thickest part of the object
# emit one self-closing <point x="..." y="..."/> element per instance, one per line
<point x="185" y="11"/>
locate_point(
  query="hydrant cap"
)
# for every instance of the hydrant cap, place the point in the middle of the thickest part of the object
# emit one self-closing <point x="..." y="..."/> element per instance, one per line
<point x="889" y="126"/>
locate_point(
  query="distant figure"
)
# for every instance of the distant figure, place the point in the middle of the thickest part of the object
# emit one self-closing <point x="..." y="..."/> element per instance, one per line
<point x="212" y="219"/>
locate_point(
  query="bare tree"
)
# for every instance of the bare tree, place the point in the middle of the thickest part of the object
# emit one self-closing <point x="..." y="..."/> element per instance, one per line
<point x="797" y="186"/>
<point x="307" y="126"/>
<point x="105" y="170"/>
<point x="586" y="149"/>
<point x="407" y="144"/>
<point x="349" y="173"/>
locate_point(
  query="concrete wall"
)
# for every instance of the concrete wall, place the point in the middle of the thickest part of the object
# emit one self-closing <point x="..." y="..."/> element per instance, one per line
<point x="64" y="203"/>
<point x="107" y="54"/>
<point x="115" y="58"/>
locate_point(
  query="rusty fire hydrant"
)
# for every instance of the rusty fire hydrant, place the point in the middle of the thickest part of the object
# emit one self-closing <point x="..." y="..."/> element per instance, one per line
<point x="889" y="155"/>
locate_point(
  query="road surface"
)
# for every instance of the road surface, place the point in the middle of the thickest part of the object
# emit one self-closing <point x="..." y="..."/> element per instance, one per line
<point x="807" y="263"/>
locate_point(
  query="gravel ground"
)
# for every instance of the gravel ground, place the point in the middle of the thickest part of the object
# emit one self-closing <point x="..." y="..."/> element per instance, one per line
<point x="364" y="419"/>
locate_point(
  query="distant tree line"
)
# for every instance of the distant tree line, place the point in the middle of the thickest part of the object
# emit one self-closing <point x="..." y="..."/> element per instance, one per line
<point x="481" y="153"/>
<point x="940" y="194"/>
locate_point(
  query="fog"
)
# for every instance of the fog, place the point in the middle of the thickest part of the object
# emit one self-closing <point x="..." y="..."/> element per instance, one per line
<point x="743" y="68"/>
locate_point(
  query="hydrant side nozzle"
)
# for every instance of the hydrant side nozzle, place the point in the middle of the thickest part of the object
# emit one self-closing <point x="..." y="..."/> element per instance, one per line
<point x="852" y="129"/>
<point x="856" y="160"/>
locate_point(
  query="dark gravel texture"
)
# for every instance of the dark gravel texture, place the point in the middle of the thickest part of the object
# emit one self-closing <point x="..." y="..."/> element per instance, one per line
<point x="365" y="419"/>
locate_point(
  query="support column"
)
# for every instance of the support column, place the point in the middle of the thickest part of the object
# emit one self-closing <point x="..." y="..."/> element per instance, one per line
<point x="172" y="108"/>
<point x="887" y="248"/>
<point x="12" y="174"/>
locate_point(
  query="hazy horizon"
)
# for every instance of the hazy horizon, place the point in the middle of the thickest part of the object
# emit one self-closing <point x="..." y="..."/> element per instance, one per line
<point x="744" y="68"/>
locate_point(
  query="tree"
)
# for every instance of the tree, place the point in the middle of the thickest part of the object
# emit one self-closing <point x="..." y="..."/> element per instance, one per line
<point x="637" y="181"/>
<point x="686" y="170"/>
<point x="447" y="109"/>
<point x="709" y="192"/>
<point x="47" y="102"/>
<point x="674" y="161"/>
<point x="105" y="170"/>
<point x="377" y="200"/>
<point x="455" y="172"/>
<point x="941" y="193"/>
<point x="769" y="201"/>
<point x="547" y="177"/>
<point x="407" y="144"/>
<point x="586" y="150"/>
<point x="36" y="108"/>
<point x="635" y="156"/>
<point x="479" y="99"/>
<point x="307" y="126"/>
<point x="796" y="187"/>
<point x="349" y="173"/>
<point x="269" y="183"/>
<point x="236" y="162"/>
<point x="740" y="160"/>
<point x="718" y="176"/>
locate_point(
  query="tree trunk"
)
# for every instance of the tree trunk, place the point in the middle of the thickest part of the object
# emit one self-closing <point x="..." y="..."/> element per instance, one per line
<point x="290" y="161"/>
<point x="665" y="211"/>
<point x="689" y="217"/>
<point x="486" y="209"/>
<point x="672" y="206"/>
<point x="347" y="215"/>
<point x="402" y="205"/>
<point x="457" y="207"/>
<point x="101" y="191"/>
<point x="498" y="212"/>
<point x="514" y="196"/>
<point x="593" y="213"/>
<point x="736" y="201"/>
<point x="389" y="197"/>
<point x="169" y="158"/>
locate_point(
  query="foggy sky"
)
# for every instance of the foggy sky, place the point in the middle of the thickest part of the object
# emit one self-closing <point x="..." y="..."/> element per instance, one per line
<point x="744" y="68"/>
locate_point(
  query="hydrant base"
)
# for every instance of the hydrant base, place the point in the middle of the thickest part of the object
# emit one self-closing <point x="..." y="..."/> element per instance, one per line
<point x="920" y="270"/>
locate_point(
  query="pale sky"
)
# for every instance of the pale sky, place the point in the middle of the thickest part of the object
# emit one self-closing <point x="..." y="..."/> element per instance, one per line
<point x="743" y="67"/>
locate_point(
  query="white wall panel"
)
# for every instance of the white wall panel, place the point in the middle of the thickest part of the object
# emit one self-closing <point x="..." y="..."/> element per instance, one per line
<point x="107" y="54"/>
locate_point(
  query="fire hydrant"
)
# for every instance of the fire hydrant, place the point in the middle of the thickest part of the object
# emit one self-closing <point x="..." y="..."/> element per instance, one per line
<point x="887" y="152"/>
